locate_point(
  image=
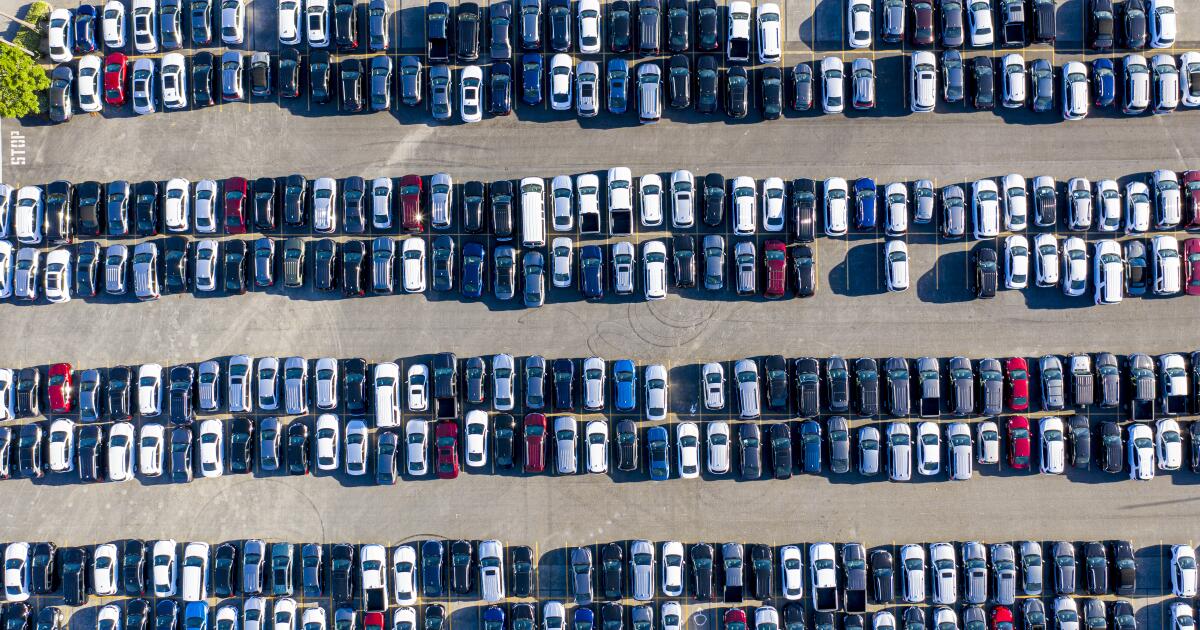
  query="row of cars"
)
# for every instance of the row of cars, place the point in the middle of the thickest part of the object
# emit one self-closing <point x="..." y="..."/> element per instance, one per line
<point x="804" y="386"/>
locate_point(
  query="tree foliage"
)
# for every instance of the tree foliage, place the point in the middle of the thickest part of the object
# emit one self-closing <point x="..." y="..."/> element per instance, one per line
<point x="22" y="83"/>
<point x="29" y="39"/>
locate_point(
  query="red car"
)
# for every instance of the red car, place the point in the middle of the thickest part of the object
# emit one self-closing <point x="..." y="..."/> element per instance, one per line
<point x="1018" y="384"/>
<point x="1002" y="618"/>
<point x="114" y="78"/>
<point x="1191" y="266"/>
<point x="535" y="443"/>
<point x="735" y="618"/>
<point x="410" y="203"/>
<point x="446" y="441"/>
<point x="235" y="205"/>
<point x="1018" y="442"/>
<point x="775" y="261"/>
<point x="1191" y="200"/>
<point x="59" y="388"/>
<point x="373" y="621"/>
<point x="922" y="20"/>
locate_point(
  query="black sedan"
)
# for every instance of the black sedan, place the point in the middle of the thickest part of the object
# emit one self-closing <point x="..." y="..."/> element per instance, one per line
<point x="351" y="71"/>
<point x="737" y="92"/>
<point x="563" y="371"/>
<point x="804" y="270"/>
<point x="683" y="250"/>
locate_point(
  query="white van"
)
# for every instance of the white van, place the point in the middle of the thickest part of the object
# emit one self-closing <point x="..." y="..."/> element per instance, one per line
<point x="533" y="212"/>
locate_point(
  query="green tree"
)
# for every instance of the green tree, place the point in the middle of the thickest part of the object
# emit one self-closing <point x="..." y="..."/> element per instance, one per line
<point x="22" y="84"/>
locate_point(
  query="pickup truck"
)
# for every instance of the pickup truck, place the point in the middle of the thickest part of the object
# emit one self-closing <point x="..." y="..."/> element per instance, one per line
<point x="589" y="222"/>
<point x="1012" y="17"/>
<point x="929" y="387"/>
<point x="437" y="31"/>
<point x="445" y="385"/>
<point x="1174" y="385"/>
<point x="823" y="577"/>
<point x="620" y="221"/>
<point x="854" y="565"/>
<point x="1082" y="381"/>
<point x="738" y="48"/>
<point x="1141" y="381"/>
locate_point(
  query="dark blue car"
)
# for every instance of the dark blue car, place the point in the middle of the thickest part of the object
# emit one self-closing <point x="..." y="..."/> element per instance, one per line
<point x="493" y="618"/>
<point x="591" y="272"/>
<point x="618" y="86"/>
<point x="1104" y="82"/>
<point x="531" y="78"/>
<point x="85" y="29"/>
<point x="625" y="384"/>
<point x="474" y="265"/>
<point x="658" y="447"/>
<point x="864" y="203"/>
<point x="432" y="557"/>
<point x="501" y="89"/>
<point x="584" y="618"/>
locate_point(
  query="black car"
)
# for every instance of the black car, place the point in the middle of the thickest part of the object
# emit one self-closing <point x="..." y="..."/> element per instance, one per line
<point x="1079" y="437"/>
<point x="6" y="439"/>
<point x="1044" y="21"/>
<point x="881" y="576"/>
<point x="29" y="396"/>
<point x="750" y="450"/>
<point x="297" y="448"/>
<point x="352" y="205"/>
<point x="224" y="569"/>
<point x="1112" y="448"/>
<point x="804" y="271"/>
<point x="289" y="73"/>
<point x="234" y="266"/>
<point x="1133" y="24"/>
<point x="474" y="202"/>
<point x="558" y="24"/>
<point x="87" y="269"/>
<point x="295" y="188"/>
<point x="678" y="26"/>
<point x="29" y="450"/>
<point x="354" y="253"/>
<point x="445" y="381"/>
<point x="1124" y="568"/>
<point x="145" y="208"/>
<point x="181" y="390"/>
<point x="760" y="570"/>
<point x="461" y="565"/>
<point x="700" y="557"/>
<point x="771" y="92"/>
<point x="433" y="554"/>
<point x="475" y="375"/>
<point x="806" y="374"/>
<point x="521" y="563"/>
<point x="89" y="445"/>
<point x="467" y="26"/>
<point x="351" y="71"/>
<point x="89" y="208"/>
<point x="354" y="385"/>
<point x="866" y="380"/>
<point x="341" y="572"/>
<point x="737" y="92"/>
<point x="320" y="69"/>
<point x="804" y="209"/>
<point x="708" y="84"/>
<point x="620" y="26"/>
<point x="899" y="393"/>
<point x="683" y="249"/>
<point x="262" y="191"/>
<point x="504" y="440"/>
<point x="986" y="272"/>
<point x="627" y="446"/>
<point x="312" y="564"/>
<point x="563" y="375"/>
<point x="500" y="194"/>
<point x="74" y="561"/>
<point x="474" y="270"/>
<point x="775" y="370"/>
<point x="43" y="576"/>
<point x="59" y="203"/>
<point x="612" y="562"/>
<point x="837" y="378"/>
<point x="281" y="568"/>
<point x="442" y="261"/>
<point x="133" y="567"/>
<point x="345" y="24"/>
<point x="793" y="617"/>
<point x="137" y="614"/>
<point x="202" y="78"/>
<point x="119" y="392"/>
<point x="260" y="75"/>
<point x="500" y="16"/>
<point x="181" y="455"/>
<point x="241" y="445"/>
<point x="325" y="264"/>
<point x="500" y="89"/>
<point x="166" y="614"/>
<point x="1095" y="562"/>
<point x="679" y="82"/>
<point x="435" y="617"/>
<point x="984" y="79"/>
<point x="1101" y="24"/>
<point x="116" y="207"/>
<point x="714" y="199"/>
<point x="781" y="450"/>
<point x="438" y="31"/>
<point x="175" y="265"/>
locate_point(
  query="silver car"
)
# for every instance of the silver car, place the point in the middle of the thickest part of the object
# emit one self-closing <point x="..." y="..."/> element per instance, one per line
<point x="899" y="437"/>
<point x="641" y="570"/>
<point x="238" y="385"/>
<point x="944" y="569"/>
<point x="745" y="372"/>
<point x="115" y="258"/>
<point x="253" y="558"/>
<point x="208" y="378"/>
<point x="441" y="90"/>
<point x="410" y="80"/>
<point x="746" y="271"/>
<point x="954" y="212"/>
<point x="975" y="572"/>
<point x="868" y="451"/>
<point x="912" y="567"/>
<point x="712" y="382"/>
<point x="923" y="201"/>
<point x="714" y="262"/>
<point x="1031" y="568"/>
<point x="1004" y="574"/>
<point x="326" y="370"/>
<point x="295" y="385"/>
<point x="649" y="80"/>
<point x="267" y="383"/>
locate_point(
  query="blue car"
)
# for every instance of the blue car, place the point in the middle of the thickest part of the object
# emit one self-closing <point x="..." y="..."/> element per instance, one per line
<point x="85" y="29"/>
<point x="1104" y="82"/>
<point x="195" y="616"/>
<point x="618" y="86"/>
<point x="658" y="451"/>
<point x="584" y="619"/>
<point x="493" y="618"/>
<point x="591" y="272"/>
<point x="474" y="265"/>
<point x="625" y="384"/>
<point x="864" y="203"/>
<point x="531" y="78"/>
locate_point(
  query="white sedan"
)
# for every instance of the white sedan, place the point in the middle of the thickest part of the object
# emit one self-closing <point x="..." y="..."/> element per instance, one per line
<point x="149" y="389"/>
<point x="895" y="265"/>
<point x="744" y="202"/>
<point x="471" y="94"/>
<point x="773" y="204"/>
<point x="596" y="444"/>
<point x="717" y="439"/>
<point x="683" y="190"/>
<point x="654" y="268"/>
<point x="656" y="392"/>
<point x="416" y="437"/>
<point x="687" y="436"/>
<point x="791" y="573"/>
<point x="1141" y="453"/>
<point x="327" y="442"/>
<point x="104" y="570"/>
<point x="413" y="255"/>
<point x="859" y="26"/>
<point x="1169" y="445"/>
<point x="151" y="449"/>
<point x="418" y="387"/>
<point x="62" y="446"/>
<point x="404" y="575"/>
<point x="356" y="447"/>
<point x="57" y="277"/>
<point x="172" y="81"/>
<point x="1016" y="259"/>
<point x="502" y="382"/>
<point x="837" y="211"/>
<point x="561" y="67"/>
<point x="562" y="194"/>
<point x="650" y="195"/>
<point x="476" y="438"/>
<point x="929" y="449"/>
<point x="176" y="205"/>
<point x="985" y="208"/>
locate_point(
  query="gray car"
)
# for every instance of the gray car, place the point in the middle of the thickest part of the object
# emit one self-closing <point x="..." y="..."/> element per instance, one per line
<point x="952" y="26"/>
<point x="1051" y="380"/>
<point x="839" y="445"/>
<point x="954" y="212"/>
<point x="898" y="392"/>
<point x="264" y="262"/>
<point x="643" y="617"/>
<point x="991" y="387"/>
<point x="974" y="618"/>
<point x="232" y="85"/>
<point x="1041" y="79"/>
<point x="441" y="92"/>
<point x="1063" y="555"/>
<point x="1031" y="568"/>
<point x="535" y="382"/>
<point x="89" y="395"/>
<point x="281" y="568"/>
<point x="641" y="570"/>
<point x="924" y="201"/>
<point x="714" y="262"/>
<point x="268" y="444"/>
<point x="868" y="451"/>
<point x="170" y="24"/>
<point x="533" y="267"/>
<point x="929" y="386"/>
<point x="253" y="553"/>
<point x="1004" y="574"/>
<point x="581" y="575"/>
<point x="1109" y="375"/>
<point x="962" y="384"/>
<point x="744" y="267"/>
<point x="975" y="572"/>
<point x="953" y="82"/>
<point x="732" y="560"/>
<point x="311" y="564"/>
<point x="381" y="82"/>
<point x="410" y="80"/>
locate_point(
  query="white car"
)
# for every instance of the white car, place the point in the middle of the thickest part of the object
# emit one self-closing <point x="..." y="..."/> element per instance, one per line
<point x="503" y="370"/>
<point x="944" y="571"/>
<point x="859" y="23"/>
<point x="412" y="252"/>
<point x="791" y="572"/>
<point x="417" y="384"/>
<point x="149" y="389"/>
<point x="61" y="448"/>
<point x="1167" y="199"/>
<point x="194" y="575"/>
<point x="683" y="190"/>
<point x="227" y="617"/>
<point x="1162" y="18"/>
<point x="561" y="68"/>
<point x="588" y="16"/>
<point x="687" y="437"/>
<point x="324" y="194"/>
<point x="1137" y="207"/>
<point x="164" y="568"/>
<point x="770" y="33"/>
<point x="985" y="209"/>
<point x="87" y="83"/>
<point x="416" y="436"/>
<point x="112" y="24"/>
<point x="29" y="216"/>
<point x="979" y="19"/>
<point x="1166" y="268"/>
<point x="109" y="616"/>
<point x="587" y="89"/>
<point x="650" y="195"/>
<point x="561" y="262"/>
<point x="566" y="435"/>
<point x="987" y="436"/>
<point x="923" y="92"/>
<point x="1016" y="262"/>
<point x="596" y="444"/>
<point x="151" y="449"/>
<point x="833" y="84"/>
<point x="172" y="83"/>
<point x="327" y="442"/>
<point x="441" y="200"/>
<point x="717" y="442"/>
<point x="587" y="191"/>
<point x="57" y="277"/>
<point x="491" y="570"/>
<point x="404" y="575"/>
<point x="773" y="204"/>
<point x="1183" y="571"/>
<point x="712" y="383"/>
<point x="744" y="202"/>
<point x="895" y="265"/>
<point x="285" y="615"/>
<point x="1046" y="257"/>
<point x="60" y="35"/>
<point x="649" y="93"/>
<point x="1141" y="452"/>
<point x="381" y="202"/>
<point x="145" y="27"/>
<point x="233" y="22"/>
<point x="654" y="270"/>
<point x="1189" y="88"/>
<point x="837" y="210"/>
<point x="288" y="18"/>
<point x="1169" y="445"/>
<point x="104" y="570"/>
<point x="1053" y="454"/>
<point x="17" y="572"/>
<point x="745" y="372"/>
<point x="1015" y="202"/>
<point x="356" y="442"/>
<point x="912" y="576"/>
<point x="1074" y="267"/>
<point x="1012" y="80"/>
<point x="1109" y="272"/>
<point x="656" y="392"/>
<point x="386" y="394"/>
<point x="561" y="194"/>
<point x="959" y="451"/>
<point x="205" y="262"/>
<point x="211" y="452"/>
<point x="738" y="31"/>
<point x="929" y="449"/>
<point x="672" y="568"/>
<point x="895" y="196"/>
<point x="204" y="205"/>
<point x="476" y="438"/>
<point x="175" y="205"/>
<point x="1108" y="204"/>
<point x="623" y="262"/>
<point x="326" y="370"/>
<point x="317" y="12"/>
<point x="1075" y="91"/>
<point x="470" y="98"/>
<point x="593" y="383"/>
